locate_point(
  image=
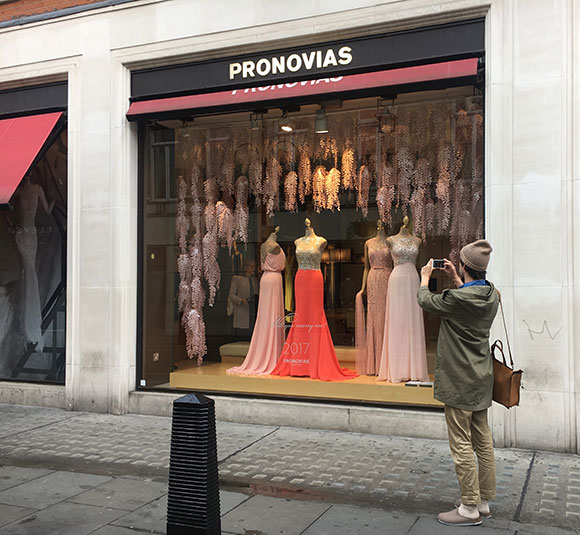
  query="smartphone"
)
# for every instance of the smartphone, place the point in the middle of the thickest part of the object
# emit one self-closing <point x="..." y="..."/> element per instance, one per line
<point x="438" y="264"/>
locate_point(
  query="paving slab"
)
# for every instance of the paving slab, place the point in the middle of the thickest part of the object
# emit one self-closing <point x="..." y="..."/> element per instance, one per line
<point x="230" y="500"/>
<point x="345" y="520"/>
<point x="50" y="489"/>
<point x="11" y="476"/>
<point x="430" y="526"/>
<point x="151" y="518"/>
<point x="63" y="519"/>
<point x="122" y="493"/>
<point x="262" y="514"/>
<point x="114" y="530"/>
<point x="9" y="513"/>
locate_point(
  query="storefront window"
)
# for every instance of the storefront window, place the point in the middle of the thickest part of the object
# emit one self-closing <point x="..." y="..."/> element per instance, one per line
<point x="33" y="272"/>
<point x="217" y="188"/>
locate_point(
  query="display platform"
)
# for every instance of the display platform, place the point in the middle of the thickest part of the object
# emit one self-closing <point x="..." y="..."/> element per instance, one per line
<point x="212" y="377"/>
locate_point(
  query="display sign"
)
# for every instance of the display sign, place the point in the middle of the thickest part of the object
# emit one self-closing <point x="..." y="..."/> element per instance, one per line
<point x="274" y="93"/>
<point x="373" y="53"/>
<point x="319" y="59"/>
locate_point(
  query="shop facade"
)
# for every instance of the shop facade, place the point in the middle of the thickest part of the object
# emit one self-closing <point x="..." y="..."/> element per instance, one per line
<point x="403" y="109"/>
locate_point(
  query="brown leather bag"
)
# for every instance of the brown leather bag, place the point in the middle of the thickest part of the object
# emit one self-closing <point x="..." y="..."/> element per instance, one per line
<point x="506" y="380"/>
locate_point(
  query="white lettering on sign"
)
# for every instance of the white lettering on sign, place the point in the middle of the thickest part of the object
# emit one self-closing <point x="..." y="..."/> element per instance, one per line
<point x="289" y="85"/>
<point x="321" y="59"/>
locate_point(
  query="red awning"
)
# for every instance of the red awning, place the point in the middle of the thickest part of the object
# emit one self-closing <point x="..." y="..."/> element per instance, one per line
<point x="21" y="140"/>
<point x="407" y="75"/>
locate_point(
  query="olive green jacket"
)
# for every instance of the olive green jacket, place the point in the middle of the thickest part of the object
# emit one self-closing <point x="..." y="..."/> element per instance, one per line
<point x="464" y="369"/>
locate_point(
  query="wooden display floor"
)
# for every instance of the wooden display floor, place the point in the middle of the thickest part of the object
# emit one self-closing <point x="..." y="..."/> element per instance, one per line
<point x="213" y="377"/>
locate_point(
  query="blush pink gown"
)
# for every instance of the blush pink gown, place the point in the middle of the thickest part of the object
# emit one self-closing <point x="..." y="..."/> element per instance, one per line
<point x="403" y="356"/>
<point x="370" y="342"/>
<point x="268" y="337"/>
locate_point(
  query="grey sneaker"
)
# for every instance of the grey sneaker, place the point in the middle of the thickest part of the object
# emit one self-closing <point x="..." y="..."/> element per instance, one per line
<point x="486" y="514"/>
<point x="453" y="518"/>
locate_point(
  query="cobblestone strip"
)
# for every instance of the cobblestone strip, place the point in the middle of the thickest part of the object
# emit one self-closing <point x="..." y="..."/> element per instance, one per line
<point x="553" y="494"/>
<point x="399" y="472"/>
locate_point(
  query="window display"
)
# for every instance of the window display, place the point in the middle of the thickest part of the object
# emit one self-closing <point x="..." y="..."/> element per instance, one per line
<point x="212" y="321"/>
<point x="33" y="272"/>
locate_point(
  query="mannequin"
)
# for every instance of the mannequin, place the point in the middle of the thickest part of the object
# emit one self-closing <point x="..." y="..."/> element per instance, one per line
<point x="26" y="202"/>
<point x="270" y="245"/>
<point x="403" y="355"/>
<point x="378" y="267"/>
<point x="404" y="232"/>
<point x="308" y="350"/>
<point x="381" y="238"/>
<point x="268" y="336"/>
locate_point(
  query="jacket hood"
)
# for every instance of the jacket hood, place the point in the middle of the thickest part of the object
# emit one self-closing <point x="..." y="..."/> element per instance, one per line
<point x="477" y="299"/>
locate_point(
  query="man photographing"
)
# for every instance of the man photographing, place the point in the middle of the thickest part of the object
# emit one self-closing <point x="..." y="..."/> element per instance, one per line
<point x="464" y="376"/>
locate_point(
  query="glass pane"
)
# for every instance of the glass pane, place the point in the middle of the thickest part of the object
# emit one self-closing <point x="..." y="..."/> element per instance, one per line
<point x="33" y="273"/>
<point x="421" y="158"/>
<point x="159" y="170"/>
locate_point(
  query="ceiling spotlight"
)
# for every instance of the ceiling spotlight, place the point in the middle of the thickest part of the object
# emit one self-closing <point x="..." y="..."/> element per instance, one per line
<point x="184" y="128"/>
<point x="285" y="123"/>
<point x="255" y="121"/>
<point x="321" y="122"/>
<point x="386" y="111"/>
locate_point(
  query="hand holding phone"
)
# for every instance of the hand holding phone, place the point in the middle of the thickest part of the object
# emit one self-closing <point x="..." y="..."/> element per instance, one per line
<point x="438" y="264"/>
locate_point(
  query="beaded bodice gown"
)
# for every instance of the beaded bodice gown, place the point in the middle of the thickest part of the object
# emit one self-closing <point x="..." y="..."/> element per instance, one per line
<point x="403" y="355"/>
<point x="369" y="351"/>
<point x="308" y="350"/>
<point x="268" y="335"/>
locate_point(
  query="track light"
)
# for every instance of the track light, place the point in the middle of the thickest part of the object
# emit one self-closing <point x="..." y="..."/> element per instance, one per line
<point x="184" y="130"/>
<point x="285" y="125"/>
<point x="255" y="121"/>
<point x="384" y="111"/>
<point x="321" y="122"/>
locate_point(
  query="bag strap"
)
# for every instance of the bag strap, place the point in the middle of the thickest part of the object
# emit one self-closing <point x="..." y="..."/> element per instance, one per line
<point x="506" y="333"/>
<point x="498" y="345"/>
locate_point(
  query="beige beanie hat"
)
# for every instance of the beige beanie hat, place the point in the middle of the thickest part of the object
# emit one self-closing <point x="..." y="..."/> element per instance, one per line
<point x="476" y="255"/>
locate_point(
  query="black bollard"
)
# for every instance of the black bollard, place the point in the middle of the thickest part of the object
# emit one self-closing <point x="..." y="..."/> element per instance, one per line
<point x="193" y="501"/>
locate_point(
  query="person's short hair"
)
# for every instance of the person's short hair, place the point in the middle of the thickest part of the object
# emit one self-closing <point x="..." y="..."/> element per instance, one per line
<point x="473" y="273"/>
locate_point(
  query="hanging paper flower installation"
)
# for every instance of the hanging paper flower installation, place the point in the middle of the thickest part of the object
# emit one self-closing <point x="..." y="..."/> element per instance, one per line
<point x="363" y="186"/>
<point x="225" y="221"/>
<point x="425" y="160"/>
<point x="242" y="213"/>
<point x="304" y="173"/>
<point x="332" y="188"/>
<point x="290" y="189"/>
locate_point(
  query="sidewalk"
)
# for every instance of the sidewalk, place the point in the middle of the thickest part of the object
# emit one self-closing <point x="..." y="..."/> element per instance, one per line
<point x="79" y="473"/>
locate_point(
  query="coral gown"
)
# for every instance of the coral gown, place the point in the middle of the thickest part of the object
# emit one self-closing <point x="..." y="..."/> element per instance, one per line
<point x="268" y="337"/>
<point x="370" y="344"/>
<point x="308" y="350"/>
<point x="403" y="356"/>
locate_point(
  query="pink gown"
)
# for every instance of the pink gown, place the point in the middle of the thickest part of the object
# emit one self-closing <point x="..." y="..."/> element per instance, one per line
<point x="403" y="356"/>
<point x="268" y="337"/>
<point x="370" y="343"/>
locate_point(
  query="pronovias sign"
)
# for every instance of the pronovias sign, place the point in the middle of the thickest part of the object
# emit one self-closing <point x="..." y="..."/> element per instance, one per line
<point x="314" y="59"/>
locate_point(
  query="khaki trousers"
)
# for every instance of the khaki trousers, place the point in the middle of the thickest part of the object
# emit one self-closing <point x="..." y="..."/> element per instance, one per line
<point x="469" y="433"/>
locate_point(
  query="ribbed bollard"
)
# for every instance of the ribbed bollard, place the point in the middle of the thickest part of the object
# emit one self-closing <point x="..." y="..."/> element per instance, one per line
<point x="193" y="501"/>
